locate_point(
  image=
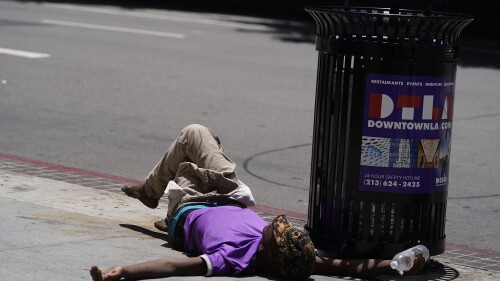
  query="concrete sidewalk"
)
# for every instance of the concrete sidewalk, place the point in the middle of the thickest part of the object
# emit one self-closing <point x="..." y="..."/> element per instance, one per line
<point x="58" y="221"/>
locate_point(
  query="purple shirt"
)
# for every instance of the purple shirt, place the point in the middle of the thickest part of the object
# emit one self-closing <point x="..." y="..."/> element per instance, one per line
<point x="227" y="237"/>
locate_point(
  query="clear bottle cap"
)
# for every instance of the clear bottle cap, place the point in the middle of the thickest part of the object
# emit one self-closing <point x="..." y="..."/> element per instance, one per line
<point x="394" y="264"/>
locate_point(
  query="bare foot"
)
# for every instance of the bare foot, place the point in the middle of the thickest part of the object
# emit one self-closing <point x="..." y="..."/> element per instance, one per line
<point x="161" y="225"/>
<point x="138" y="192"/>
<point x="96" y="273"/>
<point x="111" y="274"/>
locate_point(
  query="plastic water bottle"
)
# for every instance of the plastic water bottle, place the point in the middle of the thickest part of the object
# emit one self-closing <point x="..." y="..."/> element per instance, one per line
<point x="404" y="261"/>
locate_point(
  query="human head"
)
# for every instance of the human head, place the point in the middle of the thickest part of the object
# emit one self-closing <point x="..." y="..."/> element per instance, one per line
<point x="294" y="250"/>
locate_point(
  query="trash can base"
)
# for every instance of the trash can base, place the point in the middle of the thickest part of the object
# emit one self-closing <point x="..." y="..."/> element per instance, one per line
<point x="332" y="247"/>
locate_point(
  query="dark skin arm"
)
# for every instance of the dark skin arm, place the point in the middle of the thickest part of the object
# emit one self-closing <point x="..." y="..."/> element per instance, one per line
<point x="152" y="269"/>
<point x="365" y="268"/>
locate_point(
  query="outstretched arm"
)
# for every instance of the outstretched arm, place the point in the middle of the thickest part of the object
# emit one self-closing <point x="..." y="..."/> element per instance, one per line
<point x="152" y="269"/>
<point x="364" y="268"/>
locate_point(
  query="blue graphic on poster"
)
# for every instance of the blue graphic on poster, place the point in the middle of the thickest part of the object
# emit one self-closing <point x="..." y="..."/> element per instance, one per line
<point x="406" y="133"/>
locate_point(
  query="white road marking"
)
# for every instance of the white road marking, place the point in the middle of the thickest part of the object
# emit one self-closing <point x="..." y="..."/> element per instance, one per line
<point x="113" y="28"/>
<point x="168" y="16"/>
<point x="24" y="54"/>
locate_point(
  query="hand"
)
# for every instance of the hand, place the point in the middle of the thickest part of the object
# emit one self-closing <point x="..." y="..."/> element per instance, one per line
<point x="111" y="274"/>
<point x="418" y="264"/>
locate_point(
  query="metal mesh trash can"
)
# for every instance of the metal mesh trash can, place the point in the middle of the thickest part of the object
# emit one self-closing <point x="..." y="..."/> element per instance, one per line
<point x="382" y="129"/>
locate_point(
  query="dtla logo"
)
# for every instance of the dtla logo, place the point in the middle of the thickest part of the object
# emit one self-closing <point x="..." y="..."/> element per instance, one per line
<point x="382" y="106"/>
<point x="411" y="108"/>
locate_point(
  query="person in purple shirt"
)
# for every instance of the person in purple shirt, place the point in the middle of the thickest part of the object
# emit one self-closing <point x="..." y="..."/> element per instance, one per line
<point x="229" y="244"/>
<point x="209" y="219"/>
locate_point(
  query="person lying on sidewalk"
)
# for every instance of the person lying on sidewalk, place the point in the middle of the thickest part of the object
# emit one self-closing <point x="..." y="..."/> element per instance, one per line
<point x="208" y="219"/>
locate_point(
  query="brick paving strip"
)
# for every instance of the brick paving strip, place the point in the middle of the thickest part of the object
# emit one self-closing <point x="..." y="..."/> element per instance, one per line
<point x="455" y="253"/>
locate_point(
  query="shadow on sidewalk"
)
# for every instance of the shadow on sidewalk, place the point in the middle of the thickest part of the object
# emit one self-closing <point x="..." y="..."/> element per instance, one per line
<point x="154" y="234"/>
<point x="434" y="271"/>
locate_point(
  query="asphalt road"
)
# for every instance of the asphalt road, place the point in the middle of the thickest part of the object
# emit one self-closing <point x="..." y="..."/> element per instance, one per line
<point x="108" y="88"/>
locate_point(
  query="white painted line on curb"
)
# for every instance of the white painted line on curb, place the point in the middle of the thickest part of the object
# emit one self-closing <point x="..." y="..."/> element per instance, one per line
<point x="114" y="28"/>
<point x="24" y="54"/>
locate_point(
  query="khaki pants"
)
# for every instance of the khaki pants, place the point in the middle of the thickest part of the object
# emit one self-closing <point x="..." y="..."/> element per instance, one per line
<point x="197" y="162"/>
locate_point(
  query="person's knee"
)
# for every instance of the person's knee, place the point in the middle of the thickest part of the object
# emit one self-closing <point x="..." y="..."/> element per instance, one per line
<point x="191" y="133"/>
<point x="193" y="129"/>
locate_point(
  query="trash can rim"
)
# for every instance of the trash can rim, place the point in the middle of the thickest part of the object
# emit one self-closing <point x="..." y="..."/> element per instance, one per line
<point x="385" y="12"/>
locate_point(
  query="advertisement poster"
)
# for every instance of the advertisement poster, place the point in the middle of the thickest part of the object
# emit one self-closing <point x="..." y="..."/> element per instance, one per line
<point x="406" y="133"/>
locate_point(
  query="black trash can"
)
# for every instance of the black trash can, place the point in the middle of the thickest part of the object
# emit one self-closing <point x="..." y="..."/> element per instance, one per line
<point x="382" y="129"/>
